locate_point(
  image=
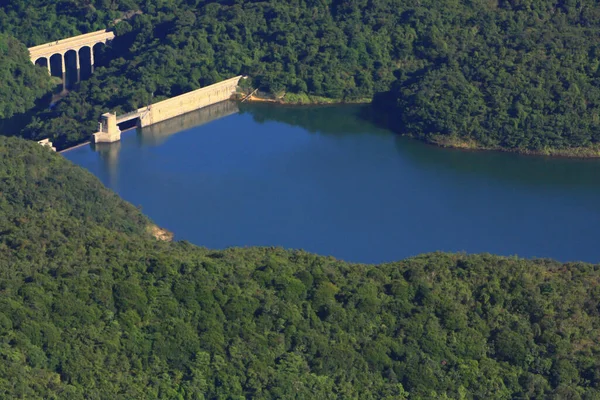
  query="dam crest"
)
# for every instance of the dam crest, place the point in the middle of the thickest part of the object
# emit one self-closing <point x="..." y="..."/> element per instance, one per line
<point x="108" y="127"/>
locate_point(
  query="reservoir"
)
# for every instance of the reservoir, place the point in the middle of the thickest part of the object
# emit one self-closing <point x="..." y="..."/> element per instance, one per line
<point x="325" y="180"/>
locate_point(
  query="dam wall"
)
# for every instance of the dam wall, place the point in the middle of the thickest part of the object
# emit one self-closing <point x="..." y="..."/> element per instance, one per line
<point x="108" y="130"/>
<point x="187" y="102"/>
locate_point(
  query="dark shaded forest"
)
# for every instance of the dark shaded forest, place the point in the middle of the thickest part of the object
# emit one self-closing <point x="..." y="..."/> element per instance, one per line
<point x="93" y="306"/>
<point x="21" y="83"/>
<point x="519" y="75"/>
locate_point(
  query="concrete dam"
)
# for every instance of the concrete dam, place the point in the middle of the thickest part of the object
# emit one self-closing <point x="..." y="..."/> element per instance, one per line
<point x="108" y="127"/>
<point x="156" y="134"/>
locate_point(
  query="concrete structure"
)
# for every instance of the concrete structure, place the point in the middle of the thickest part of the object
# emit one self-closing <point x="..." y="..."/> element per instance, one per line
<point x="76" y="44"/>
<point x="156" y="134"/>
<point x="167" y="109"/>
<point x="108" y="130"/>
<point x="47" y="143"/>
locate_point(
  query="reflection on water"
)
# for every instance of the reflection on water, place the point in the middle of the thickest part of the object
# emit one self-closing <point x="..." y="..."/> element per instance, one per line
<point x="109" y="154"/>
<point x="536" y="170"/>
<point x="156" y="134"/>
<point x="509" y="167"/>
<point x="329" y="119"/>
<point x="328" y="181"/>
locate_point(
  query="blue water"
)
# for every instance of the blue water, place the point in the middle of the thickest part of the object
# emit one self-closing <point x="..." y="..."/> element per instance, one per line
<point x="325" y="180"/>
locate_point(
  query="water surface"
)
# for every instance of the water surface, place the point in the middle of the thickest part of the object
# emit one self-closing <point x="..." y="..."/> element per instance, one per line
<point x="327" y="181"/>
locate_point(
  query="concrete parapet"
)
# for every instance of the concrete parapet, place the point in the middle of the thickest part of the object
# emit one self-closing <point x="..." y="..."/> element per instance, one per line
<point x="108" y="130"/>
<point x="187" y="102"/>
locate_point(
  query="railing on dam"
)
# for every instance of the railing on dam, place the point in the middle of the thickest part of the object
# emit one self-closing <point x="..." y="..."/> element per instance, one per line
<point x="128" y="116"/>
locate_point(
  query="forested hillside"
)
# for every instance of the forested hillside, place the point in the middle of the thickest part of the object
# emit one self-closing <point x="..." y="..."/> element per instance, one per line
<point x="520" y="75"/>
<point x="92" y="306"/>
<point x="21" y="83"/>
<point x="508" y="74"/>
<point x="39" y="21"/>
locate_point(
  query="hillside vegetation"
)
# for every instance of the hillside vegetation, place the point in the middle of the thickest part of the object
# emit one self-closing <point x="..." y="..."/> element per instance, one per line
<point x="519" y="75"/>
<point x="21" y="83"/>
<point x="509" y="74"/>
<point x="92" y="306"/>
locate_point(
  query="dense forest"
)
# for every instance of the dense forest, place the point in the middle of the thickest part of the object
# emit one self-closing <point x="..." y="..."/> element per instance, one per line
<point x="498" y="74"/>
<point x="518" y="75"/>
<point x="22" y="84"/>
<point x="93" y="306"/>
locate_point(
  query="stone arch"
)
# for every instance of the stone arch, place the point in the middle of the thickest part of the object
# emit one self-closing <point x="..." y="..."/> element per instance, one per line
<point x="43" y="62"/>
<point x="71" y="67"/>
<point x="85" y="61"/>
<point x="56" y="62"/>
<point x="98" y="52"/>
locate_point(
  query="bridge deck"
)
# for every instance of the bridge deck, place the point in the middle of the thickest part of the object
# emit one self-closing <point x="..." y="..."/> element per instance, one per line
<point x="128" y="117"/>
<point x="72" y="43"/>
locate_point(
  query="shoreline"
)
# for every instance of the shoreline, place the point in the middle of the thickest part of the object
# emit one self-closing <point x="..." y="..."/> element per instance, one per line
<point x="305" y="101"/>
<point x="74" y="147"/>
<point x="455" y="144"/>
<point x="581" y="153"/>
<point x="86" y="143"/>
<point x="447" y="143"/>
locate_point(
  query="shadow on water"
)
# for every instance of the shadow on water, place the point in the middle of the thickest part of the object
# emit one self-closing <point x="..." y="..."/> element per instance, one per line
<point x="507" y="167"/>
<point x="351" y="119"/>
<point x="326" y="119"/>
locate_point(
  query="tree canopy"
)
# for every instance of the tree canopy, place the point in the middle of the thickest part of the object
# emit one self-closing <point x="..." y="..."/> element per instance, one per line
<point x="22" y="84"/>
<point x="515" y="75"/>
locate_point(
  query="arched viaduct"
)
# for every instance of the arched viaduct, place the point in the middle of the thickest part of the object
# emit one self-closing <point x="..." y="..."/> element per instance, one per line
<point x="79" y="45"/>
